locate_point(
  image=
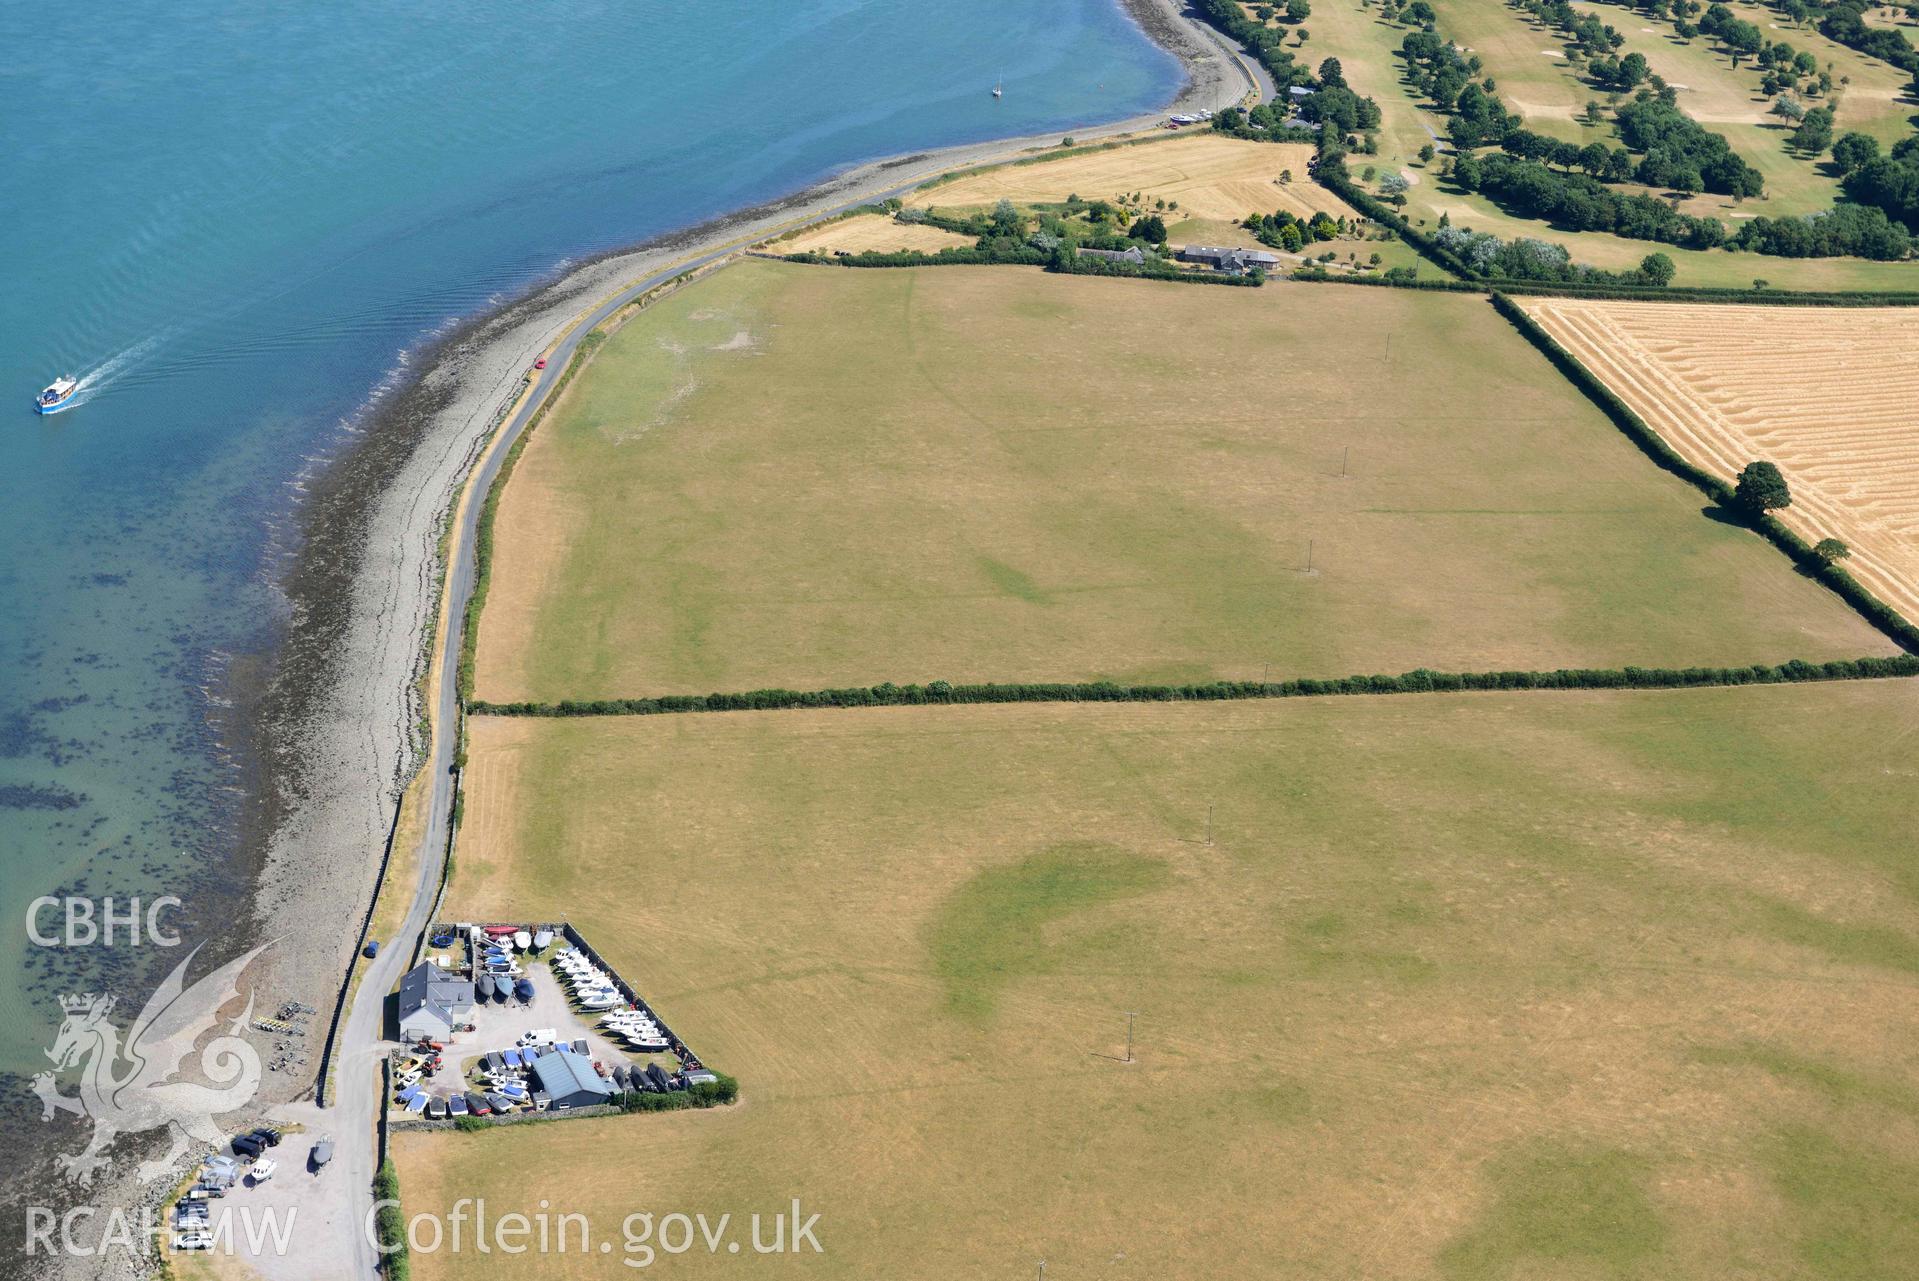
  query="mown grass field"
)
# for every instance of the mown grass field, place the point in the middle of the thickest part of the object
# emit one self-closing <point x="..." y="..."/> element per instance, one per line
<point x="1463" y="987"/>
<point x="810" y="476"/>
<point x="1541" y="87"/>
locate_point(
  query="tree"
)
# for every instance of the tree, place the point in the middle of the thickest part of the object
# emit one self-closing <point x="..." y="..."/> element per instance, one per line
<point x="1830" y="550"/>
<point x="1393" y="186"/>
<point x="1331" y="75"/>
<point x="1657" y="269"/>
<point x="1814" y="133"/>
<point x="1787" y="107"/>
<point x="1151" y="228"/>
<point x="1743" y="39"/>
<point x="1426" y="154"/>
<point x="1006" y="219"/>
<point x="1855" y="151"/>
<point x="1761" y="489"/>
<point x="1298" y="10"/>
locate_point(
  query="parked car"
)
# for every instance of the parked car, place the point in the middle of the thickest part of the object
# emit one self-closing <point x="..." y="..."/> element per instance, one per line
<point x="540" y="363"/>
<point x="372" y="949"/>
<point x="193" y="1241"/>
<point x="263" y="1169"/>
<point x="268" y="1135"/>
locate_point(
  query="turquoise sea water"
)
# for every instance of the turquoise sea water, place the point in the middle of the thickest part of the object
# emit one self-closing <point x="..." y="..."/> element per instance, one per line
<point x="234" y="219"/>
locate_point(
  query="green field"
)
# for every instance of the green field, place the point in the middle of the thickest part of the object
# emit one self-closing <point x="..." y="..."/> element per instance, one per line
<point x="1540" y="88"/>
<point x="1460" y="987"/>
<point x="1514" y="48"/>
<point x="805" y="476"/>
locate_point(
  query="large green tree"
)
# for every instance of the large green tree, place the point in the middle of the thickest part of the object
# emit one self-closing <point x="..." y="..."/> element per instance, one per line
<point x="1761" y="489"/>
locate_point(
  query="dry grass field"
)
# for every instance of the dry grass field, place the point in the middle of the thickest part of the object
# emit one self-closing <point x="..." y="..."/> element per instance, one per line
<point x="1828" y="394"/>
<point x="865" y="232"/>
<point x="812" y="476"/>
<point x="1210" y="175"/>
<point x="1462" y="987"/>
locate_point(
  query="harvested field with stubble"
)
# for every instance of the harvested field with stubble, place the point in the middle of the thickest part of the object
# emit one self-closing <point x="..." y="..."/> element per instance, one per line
<point x="1469" y="988"/>
<point x="801" y="477"/>
<point x="876" y="233"/>
<point x="1829" y="394"/>
<point x="1209" y="174"/>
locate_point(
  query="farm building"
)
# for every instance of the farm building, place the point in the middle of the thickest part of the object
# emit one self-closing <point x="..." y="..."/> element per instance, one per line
<point x="432" y="1002"/>
<point x="1234" y="260"/>
<point x="1134" y="255"/>
<point x="569" y="1080"/>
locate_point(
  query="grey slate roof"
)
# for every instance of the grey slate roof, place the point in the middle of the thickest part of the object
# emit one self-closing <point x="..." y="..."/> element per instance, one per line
<point x="564" y="1074"/>
<point x="427" y="987"/>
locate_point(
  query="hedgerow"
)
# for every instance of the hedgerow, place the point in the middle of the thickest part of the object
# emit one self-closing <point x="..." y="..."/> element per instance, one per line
<point x="1876" y="611"/>
<point x="1640" y="293"/>
<point x="1419" y="681"/>
<point x="390" y="1223"/>
<point x="702" y="1094"/>
<point x="957" y="256"/>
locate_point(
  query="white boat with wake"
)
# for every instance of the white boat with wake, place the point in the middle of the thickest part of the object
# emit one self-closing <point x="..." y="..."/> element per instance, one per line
<point x="57" y="396"/>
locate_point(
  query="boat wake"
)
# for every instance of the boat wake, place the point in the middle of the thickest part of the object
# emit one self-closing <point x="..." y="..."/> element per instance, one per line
<point x="115" y="367"/>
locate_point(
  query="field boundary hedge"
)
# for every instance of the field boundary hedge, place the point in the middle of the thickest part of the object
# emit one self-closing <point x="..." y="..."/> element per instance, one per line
<point x="390" y="1223"/>
<point x="1076" y="265"/>
<point x="1855" y="594"/>
<point x="1332" y="176"/>
<point x="1418" y="681"/>
<point x="1620" y="293"/>
<point x="956" y="256"/>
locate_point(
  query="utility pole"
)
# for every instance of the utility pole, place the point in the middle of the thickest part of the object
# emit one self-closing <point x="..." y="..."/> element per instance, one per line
<point x="1209" y="822"/>
<point x="1309" y="555"/>
<point x="1343" y="460"/>
<point x="1130" y="1014"/>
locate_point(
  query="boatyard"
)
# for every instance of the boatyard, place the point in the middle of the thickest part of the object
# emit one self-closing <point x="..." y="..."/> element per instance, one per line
<point x="503" y="1019"/>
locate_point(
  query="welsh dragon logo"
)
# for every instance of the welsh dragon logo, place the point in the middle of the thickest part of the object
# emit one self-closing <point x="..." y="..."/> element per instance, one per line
<point x="127" y="1088"/>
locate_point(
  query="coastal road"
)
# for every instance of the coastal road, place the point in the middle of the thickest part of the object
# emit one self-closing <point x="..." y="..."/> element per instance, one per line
<point x="356" y="1084"/>
<point x="1259" y="82"/>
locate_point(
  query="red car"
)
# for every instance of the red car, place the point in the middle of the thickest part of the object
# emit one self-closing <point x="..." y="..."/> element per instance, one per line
<point x="540" y="363"/>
